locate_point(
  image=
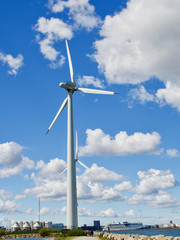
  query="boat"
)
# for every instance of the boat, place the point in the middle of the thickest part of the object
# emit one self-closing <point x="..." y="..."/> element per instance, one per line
<point x="115" y="227"/>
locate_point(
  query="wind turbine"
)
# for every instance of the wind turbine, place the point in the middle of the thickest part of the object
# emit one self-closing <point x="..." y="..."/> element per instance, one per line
<point x="70" y="87"/>
<point x="76" y="159"/>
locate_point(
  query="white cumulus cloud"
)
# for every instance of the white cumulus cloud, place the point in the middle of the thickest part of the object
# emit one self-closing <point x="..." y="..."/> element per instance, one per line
<point x="52" y="30"/>
<point x="99" y="174"/>
<point x="172" y="153"/>
<point x="154" y="180"/>
<point x="90" y="80"/>
<point x="80" y="11"/>
<point x="99" y="143"/>
<point x="124" y="186"/>
<point x="8" y="206"/>
<point x="141" y="95"/>
<point x="170" y="95"/>
<point x="140" y="42"/>
<point x="14" y="63"/>
<point x="12" y="160"/>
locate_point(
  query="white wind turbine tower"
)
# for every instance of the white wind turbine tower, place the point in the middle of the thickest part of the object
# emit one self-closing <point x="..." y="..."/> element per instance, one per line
<point x="72" y="218"/>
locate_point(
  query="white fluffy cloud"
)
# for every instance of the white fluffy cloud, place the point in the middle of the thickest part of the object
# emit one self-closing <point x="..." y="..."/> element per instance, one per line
<point x="92" y="187"/>
<point x="8" y="206"/>
<point x="12" y="160"/>
<point x="141" y="41"/>
<point x="48" y="211"/>
<point x="53" y="30"/>
<point x="141" y="95"/>
<point x="4" y="194"/>
<point x="172" y="153"/>
<point x="170" y="95"/>
<point x="48" y="182"/>
<point x="154" y="180"/>
<point x="13" y="62"/>
<point x="10" y="153"/>
<point x="124" y="186"/>
<point x="99" y="174"/>
<point x="81" y="11"/>
<point x="53" y="168"/>
<point x="99" y="143"/>
<point x="90" y="80"/>
<point x="50" y="185"/>
<point x="160" y="200"/>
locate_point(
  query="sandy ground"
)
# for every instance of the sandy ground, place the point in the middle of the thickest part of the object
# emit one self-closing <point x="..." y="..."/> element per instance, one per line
<point x="85" y="238"/>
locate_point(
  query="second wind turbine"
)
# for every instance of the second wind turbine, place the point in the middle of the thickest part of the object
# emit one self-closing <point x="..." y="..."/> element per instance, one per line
<point x="72" y="215"/>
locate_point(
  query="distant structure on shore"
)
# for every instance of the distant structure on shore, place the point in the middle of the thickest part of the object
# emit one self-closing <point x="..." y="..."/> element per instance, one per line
<point x="96" y="226"/>
<point x="37" y="225"/>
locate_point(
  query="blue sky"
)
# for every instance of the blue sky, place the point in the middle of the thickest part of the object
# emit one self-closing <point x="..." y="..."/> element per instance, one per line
<point x="130" y="141"/>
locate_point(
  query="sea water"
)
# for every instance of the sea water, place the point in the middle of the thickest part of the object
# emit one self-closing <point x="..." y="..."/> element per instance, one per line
<point x="166" y="232"/>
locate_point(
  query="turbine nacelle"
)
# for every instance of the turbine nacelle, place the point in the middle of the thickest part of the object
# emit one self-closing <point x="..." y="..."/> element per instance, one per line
<point x="69" y="86"/>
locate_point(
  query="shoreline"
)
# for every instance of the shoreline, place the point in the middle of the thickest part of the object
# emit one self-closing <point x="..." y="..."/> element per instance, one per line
<point x="24" y="235"/>
<point x="147" y="229"/>
<point x="114" y="236"/>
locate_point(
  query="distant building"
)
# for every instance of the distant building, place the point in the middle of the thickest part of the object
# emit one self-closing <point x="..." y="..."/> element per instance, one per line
<point x="37" y="225"/>
<point x="15" y="227"/>
<point x="26" y="226"/>
<point x="48" y="225"/>
<point x="96" y="226"/>
<point x="58" y="226"/>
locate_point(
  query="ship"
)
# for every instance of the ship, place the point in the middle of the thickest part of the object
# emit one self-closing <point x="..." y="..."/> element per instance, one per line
<point x="125" y="226"/>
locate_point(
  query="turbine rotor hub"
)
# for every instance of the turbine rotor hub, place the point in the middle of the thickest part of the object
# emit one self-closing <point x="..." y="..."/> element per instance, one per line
<point x="69" y="86"/>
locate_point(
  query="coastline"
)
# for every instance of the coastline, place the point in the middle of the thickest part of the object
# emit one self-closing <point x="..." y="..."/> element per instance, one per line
<point x="114" y="236"/>
<point x="33" y="235"/>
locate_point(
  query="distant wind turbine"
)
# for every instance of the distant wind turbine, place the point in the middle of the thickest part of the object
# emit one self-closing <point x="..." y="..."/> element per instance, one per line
<point x="72" y="218"/>
<point x="76" y="159"/>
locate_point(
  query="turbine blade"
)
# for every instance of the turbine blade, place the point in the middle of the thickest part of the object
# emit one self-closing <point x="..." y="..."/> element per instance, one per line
<point x="95" y="91"/>
<point x="63" y="172"/>
<point x="58" y="113"/>
<point x="82" y="164"/>
<point x="76" y="146"/>
<point x="70" y="63"/>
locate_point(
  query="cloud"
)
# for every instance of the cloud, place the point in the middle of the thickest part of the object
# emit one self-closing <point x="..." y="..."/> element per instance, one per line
<point x="4" y="221"/>
<point x="10" y="153"/>
<point x="90" y="80"/>
<point x="150" y="190"/>
<point x="13" y="63"/>
<point x="130" y="213"/>
<point x="4" y="194"/>
<point x="141" y="95"/>
<point x="154" y="180"/>
<point x="19" y="197"/>
<point x="12" y="160"/>
<point x="124" y="186"/>
<point x="53" y="168"/>
<point x="47" y="211"/>
<point x="99" y="143"/>
<point x="160" y="200"/>
<point x="8" y="206"/>
<point x="48" y="182"/>
<point x="80" y="11"/>
<point x="99" y="174"/>
<point x="29" y="211"/>
<point x="172" y="153"/>
<point x="49" y="185"/>
<point x="53" y="30"/>
<point x="90" y="185"/>
<point x="170" y="95"/>
<point x="140" y="42"/>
